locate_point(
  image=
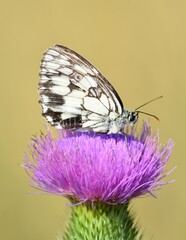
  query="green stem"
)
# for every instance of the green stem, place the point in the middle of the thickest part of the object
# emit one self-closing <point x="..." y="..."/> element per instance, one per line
<point x="101" y="222"/>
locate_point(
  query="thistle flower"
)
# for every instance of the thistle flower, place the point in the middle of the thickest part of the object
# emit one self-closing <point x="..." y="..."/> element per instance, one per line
<point x="99" y="169"/>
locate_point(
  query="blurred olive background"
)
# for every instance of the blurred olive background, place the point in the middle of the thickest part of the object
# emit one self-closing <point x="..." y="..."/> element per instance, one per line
<point x="140" y="46"/>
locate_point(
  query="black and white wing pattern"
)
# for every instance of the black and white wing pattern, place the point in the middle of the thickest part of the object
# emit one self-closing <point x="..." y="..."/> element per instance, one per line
<point x="75" y="95"/>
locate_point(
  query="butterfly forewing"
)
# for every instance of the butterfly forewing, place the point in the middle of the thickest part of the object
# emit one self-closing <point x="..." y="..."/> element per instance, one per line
<point x="74" y="94"/>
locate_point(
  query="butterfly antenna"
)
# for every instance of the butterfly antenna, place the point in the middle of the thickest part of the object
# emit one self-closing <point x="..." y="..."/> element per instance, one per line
<point x="148" y="103"/>
<point x="149" y="115"/>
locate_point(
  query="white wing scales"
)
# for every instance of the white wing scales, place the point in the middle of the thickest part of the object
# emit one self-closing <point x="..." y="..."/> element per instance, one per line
<point x="74" y="94"/>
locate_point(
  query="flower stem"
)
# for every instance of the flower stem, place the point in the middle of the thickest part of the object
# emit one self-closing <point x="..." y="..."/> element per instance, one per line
<point x="101" y="221"/>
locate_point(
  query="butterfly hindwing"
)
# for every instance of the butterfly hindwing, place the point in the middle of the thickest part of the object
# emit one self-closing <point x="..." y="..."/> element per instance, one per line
<point x="73" y="93"/>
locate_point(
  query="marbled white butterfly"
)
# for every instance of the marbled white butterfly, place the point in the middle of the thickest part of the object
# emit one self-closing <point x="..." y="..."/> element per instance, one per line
<point x="74" y="95"/>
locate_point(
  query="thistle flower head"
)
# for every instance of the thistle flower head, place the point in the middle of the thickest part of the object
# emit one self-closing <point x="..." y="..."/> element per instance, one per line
<point x="98" y="167"/>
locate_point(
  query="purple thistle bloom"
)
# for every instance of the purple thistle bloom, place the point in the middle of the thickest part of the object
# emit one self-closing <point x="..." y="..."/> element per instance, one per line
<point x="98" y="167"/>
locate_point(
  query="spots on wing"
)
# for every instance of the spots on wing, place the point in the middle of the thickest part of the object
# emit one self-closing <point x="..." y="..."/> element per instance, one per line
<point x="50" y="65"/>
<point x="71" y="109"/>
<point x="94" y="105"/>
<point x="76" y="77"/>
<point x="49" y="81"/>
<point x="73" y="87"/>
<point x="62" y="81"/>
<point x="77" y="93"/>
<point x="93" y="117"/>
<point x="66" y="71"/>
<point x="59" y="90"/>
<point x="53" y="100"/>
<point x="87" y="82"/>
<point x="45" y="85"/>
<point x="94" y="92"/>
<point x="101" y="127"/>
<point x="73" y="102"/>
<point x="70" y="123"/>
<point x="48" y="72"/>
<point x="53" y="117"/>
<point x="103" y="98"/>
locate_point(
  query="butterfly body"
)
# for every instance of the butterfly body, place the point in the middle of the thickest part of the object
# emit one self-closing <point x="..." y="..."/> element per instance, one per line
<point x="75" y="95"/>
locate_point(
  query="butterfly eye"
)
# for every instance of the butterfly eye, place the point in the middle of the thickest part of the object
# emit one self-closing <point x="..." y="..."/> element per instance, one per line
<point x="133" y="117"/>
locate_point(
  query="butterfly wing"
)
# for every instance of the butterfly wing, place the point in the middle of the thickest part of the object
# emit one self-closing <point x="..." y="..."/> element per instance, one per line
<point x="74" y="94"/>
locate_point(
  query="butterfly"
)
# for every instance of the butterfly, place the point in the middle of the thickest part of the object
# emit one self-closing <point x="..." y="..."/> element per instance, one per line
<point x="74" y="95"/>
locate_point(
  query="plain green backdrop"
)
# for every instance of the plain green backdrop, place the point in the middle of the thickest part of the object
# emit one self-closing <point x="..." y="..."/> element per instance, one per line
<point x="140" y="46"/>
